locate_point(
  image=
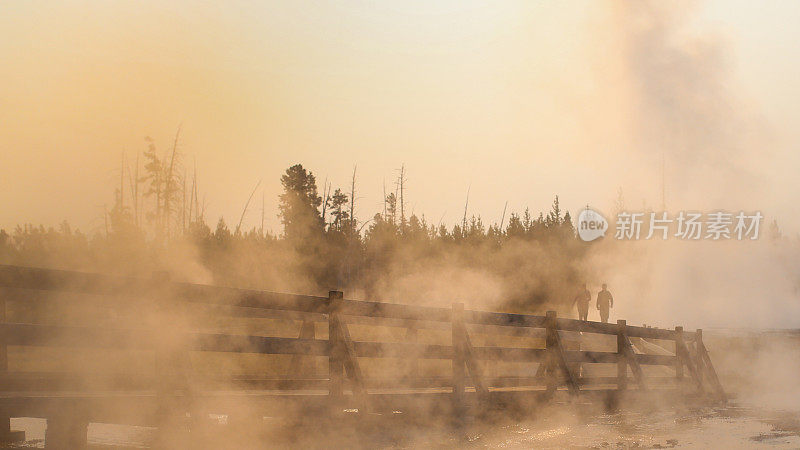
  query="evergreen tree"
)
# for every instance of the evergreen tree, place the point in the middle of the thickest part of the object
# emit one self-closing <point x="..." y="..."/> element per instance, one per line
<point x="299" y="204"/>
<point x="554" y="216"/>
<point x="340" y="216"/>
<point x="515" y="226"/>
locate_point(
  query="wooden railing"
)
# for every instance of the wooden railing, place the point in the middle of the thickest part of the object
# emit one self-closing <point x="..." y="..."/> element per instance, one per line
<point x="560" y="358"/>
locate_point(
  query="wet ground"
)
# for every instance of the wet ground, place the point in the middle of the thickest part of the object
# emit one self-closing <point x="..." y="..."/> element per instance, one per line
<point x="728" y="427"/>
<point x="565" y="426"/>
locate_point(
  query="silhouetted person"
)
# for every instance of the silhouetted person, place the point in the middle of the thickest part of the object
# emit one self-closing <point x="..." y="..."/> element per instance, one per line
<point x="582" y="299"/>
<point x="604" y="302"/>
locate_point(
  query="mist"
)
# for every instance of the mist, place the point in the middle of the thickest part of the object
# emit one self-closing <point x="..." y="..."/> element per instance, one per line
<point x="406" y="153"/>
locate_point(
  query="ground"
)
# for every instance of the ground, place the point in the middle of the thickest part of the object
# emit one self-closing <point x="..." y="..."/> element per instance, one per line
<point x="558" y="426"/>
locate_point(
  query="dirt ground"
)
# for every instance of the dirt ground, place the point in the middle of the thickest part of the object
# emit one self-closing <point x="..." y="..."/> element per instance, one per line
<point x="760" y="373"/>
<point x="558" y="426"/>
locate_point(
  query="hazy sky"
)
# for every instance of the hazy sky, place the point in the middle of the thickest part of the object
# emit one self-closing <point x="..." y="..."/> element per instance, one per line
<point x="519" y="100"/>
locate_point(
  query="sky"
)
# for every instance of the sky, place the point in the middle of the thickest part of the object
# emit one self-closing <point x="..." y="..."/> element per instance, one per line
<point x="513" y="101"/>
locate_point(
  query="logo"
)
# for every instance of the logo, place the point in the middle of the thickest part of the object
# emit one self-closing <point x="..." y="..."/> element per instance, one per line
<point x="591" y="225"/>
<point x="688" y="225"/>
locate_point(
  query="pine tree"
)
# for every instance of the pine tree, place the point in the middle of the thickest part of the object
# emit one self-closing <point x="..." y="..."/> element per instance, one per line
<point x="299" y="204"/>
<point x="340" y="216"/>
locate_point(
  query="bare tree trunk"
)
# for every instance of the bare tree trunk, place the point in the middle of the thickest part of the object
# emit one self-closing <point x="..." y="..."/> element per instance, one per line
<point x="324" y="203"/>
<point x="122" y="183"/>
<point x="168" y="183"/>
<point x="193" y="201"/>
<point x="464" y="220"/>
<point x="402" y="200"/>
<point x="134" y="182"/>
<point x="353" y="199"/>
<point x="159" y="231"/>
<point x="183" y="205"/>
<point x="241" y="218"/>
<point x="262" y="213"/>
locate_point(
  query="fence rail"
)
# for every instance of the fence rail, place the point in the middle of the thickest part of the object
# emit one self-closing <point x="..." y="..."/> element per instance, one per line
<point x="560" y="360"/>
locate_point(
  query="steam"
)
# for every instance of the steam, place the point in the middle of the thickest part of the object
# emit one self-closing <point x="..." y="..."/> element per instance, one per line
<point x="691" y="131"/>
<point x="687" y="119"/>
<point x="681" y="122"/>
<point x="689" y="126"/>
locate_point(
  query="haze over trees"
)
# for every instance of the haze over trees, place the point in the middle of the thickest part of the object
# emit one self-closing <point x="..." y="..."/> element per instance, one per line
<point x="158" y="222"/>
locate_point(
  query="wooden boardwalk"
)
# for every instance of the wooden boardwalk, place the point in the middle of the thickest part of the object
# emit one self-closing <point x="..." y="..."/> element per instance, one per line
<point x="147" y="319"/>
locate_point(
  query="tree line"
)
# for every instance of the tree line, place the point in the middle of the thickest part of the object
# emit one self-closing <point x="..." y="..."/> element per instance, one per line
<point x="158" y="222"/>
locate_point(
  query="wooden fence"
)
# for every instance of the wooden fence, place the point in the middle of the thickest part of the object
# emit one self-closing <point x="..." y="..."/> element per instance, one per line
<point x="170" y="394"/>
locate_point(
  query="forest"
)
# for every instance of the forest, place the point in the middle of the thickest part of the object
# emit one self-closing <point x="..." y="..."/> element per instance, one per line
<point x="158" y="223"/>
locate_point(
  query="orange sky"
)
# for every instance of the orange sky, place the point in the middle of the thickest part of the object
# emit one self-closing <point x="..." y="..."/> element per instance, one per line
<point x="519" y="100"/>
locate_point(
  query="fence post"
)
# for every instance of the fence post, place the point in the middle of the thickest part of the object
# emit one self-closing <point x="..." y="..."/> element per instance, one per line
<point x="459" y="365"/>
<point x="350" y="362"/>
<point x="694" y="356"/>
<point x="678" y="362"/>
<point x="335" y="349"/>
<point x="471" y="362"/>
<point x="622" y="360"/>
<point x="711" y="373"/>
<point x="6" y="434"/>
<point x="551" y="336"/>
<point x="699" y="362"/>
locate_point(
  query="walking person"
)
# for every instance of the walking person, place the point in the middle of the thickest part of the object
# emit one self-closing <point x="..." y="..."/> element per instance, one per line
<point x="604" y="303"/>
<point x="582" y="299"/>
